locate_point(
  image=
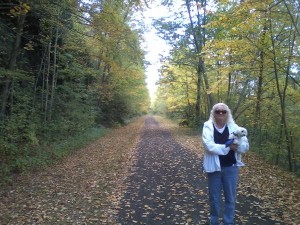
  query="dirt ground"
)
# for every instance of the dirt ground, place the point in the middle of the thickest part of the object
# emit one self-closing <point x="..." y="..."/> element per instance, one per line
<point x="148" y="172"/>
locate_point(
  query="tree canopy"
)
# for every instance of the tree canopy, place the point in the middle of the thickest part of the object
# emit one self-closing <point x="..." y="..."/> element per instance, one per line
<point x="65" y="67"/>
<point x="244" y="53"/>
<point x="70" y="66"/>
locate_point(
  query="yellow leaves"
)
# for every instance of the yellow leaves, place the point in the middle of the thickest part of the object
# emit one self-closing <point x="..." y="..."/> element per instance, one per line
<point x="29" y="46"/>
<point x="224" y="1"/>
<point x="20" y="9"/>
<point x="239" y="19"/>
<point x="269" y="185"/>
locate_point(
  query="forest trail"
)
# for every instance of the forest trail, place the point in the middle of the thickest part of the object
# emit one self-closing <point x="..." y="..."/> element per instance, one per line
<point x="148" y="172"/>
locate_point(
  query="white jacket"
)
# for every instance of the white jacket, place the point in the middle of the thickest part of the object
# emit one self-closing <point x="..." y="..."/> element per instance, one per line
<point x="211" y="162"/>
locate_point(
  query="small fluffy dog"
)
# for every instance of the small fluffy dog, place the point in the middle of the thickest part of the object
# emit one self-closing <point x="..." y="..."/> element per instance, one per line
<point x="237" y="136"/>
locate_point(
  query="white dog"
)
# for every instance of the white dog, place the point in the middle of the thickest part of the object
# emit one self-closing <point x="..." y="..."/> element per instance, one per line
<point x="237" y="136"/>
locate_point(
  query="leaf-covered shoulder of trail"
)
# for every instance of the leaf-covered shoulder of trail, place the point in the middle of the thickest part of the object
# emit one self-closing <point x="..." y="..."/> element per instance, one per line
<point x="80" y="189"/>
<point x="277" y="190"/>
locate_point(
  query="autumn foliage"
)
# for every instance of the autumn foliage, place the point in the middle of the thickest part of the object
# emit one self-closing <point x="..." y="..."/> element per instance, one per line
<point x="243" y="53"/>
<point x="66" y="68"/>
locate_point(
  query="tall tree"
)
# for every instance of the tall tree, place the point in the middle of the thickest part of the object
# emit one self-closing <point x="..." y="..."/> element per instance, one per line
<point x="250" y="57"/>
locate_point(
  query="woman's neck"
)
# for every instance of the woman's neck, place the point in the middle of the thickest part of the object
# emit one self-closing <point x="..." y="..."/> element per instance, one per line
<point x="219" y="124"/>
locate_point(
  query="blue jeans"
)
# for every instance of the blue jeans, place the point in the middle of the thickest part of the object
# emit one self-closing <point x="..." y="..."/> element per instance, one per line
<point x="227" y="180"/>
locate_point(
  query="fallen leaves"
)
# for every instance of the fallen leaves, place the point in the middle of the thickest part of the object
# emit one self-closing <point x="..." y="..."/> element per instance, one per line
<point x="165" y="187"/>
<point x="265" y="191"/>
<point x="79" y="190"/>
<point x="144" y="175"/>
<point x="277" y="190"/>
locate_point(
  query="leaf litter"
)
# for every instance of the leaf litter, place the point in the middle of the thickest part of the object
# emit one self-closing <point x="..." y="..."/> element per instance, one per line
<point x="78" y="190"/>
<point x="144" y="174"/>
<point x="265" y="191"/>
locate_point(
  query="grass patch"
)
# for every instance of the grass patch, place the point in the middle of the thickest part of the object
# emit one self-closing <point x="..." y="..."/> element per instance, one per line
<point x="36" y="158"/>
<point x="64" y="148"/>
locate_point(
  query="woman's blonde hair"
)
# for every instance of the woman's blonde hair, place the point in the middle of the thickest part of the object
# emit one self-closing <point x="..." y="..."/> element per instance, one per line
<point x="225" y="107"/>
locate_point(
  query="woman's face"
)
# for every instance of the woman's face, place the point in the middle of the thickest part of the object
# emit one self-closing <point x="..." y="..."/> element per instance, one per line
<point x="220" y="114"/>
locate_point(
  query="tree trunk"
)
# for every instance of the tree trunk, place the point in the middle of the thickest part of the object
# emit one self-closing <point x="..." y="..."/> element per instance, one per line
<point x="282" y="95"/>
<point x="199" y="42"/>
<point x="41" y="71"/>
<point x="48" y="65"/>
<point x="12" y="64"/>
<point x="54" y="73"/>
<point x="198" y="97"/>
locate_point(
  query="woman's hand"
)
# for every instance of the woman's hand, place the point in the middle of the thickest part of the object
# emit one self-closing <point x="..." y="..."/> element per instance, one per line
<point x="233" y="147"/>
<point x="229" y="142"/>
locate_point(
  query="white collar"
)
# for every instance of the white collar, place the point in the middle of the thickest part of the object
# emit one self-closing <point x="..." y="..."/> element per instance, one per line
<point x="220" y="130"/>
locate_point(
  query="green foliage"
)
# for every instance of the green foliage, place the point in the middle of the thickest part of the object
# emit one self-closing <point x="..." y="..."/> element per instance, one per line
<point x="67" y="146"/>
<point x="65" y="68"/>
<point x="250" y="61"/>
<point x="27" y="157"/>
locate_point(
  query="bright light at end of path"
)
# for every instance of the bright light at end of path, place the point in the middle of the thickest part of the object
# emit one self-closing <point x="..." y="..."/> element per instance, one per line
<point x="154" y="46"/>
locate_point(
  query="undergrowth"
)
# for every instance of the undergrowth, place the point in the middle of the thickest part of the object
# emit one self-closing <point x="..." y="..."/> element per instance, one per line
<point x="38" y="157"/>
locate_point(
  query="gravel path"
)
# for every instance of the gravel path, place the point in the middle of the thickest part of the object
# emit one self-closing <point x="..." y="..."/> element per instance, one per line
<point x="167" y="185"/>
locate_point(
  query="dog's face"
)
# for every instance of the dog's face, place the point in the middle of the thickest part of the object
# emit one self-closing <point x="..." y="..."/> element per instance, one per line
<point x="240" y="132"/>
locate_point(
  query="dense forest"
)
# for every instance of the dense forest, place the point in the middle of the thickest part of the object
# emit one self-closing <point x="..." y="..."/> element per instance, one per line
<point x="68" y="68"/>
<point x="241" y="52"/>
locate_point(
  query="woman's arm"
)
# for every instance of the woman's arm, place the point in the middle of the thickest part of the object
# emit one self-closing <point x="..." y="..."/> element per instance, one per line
<point x="208" y="141"/>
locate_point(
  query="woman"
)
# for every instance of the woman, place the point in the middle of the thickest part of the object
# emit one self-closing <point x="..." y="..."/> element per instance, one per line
<point x="221" y="162"/>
